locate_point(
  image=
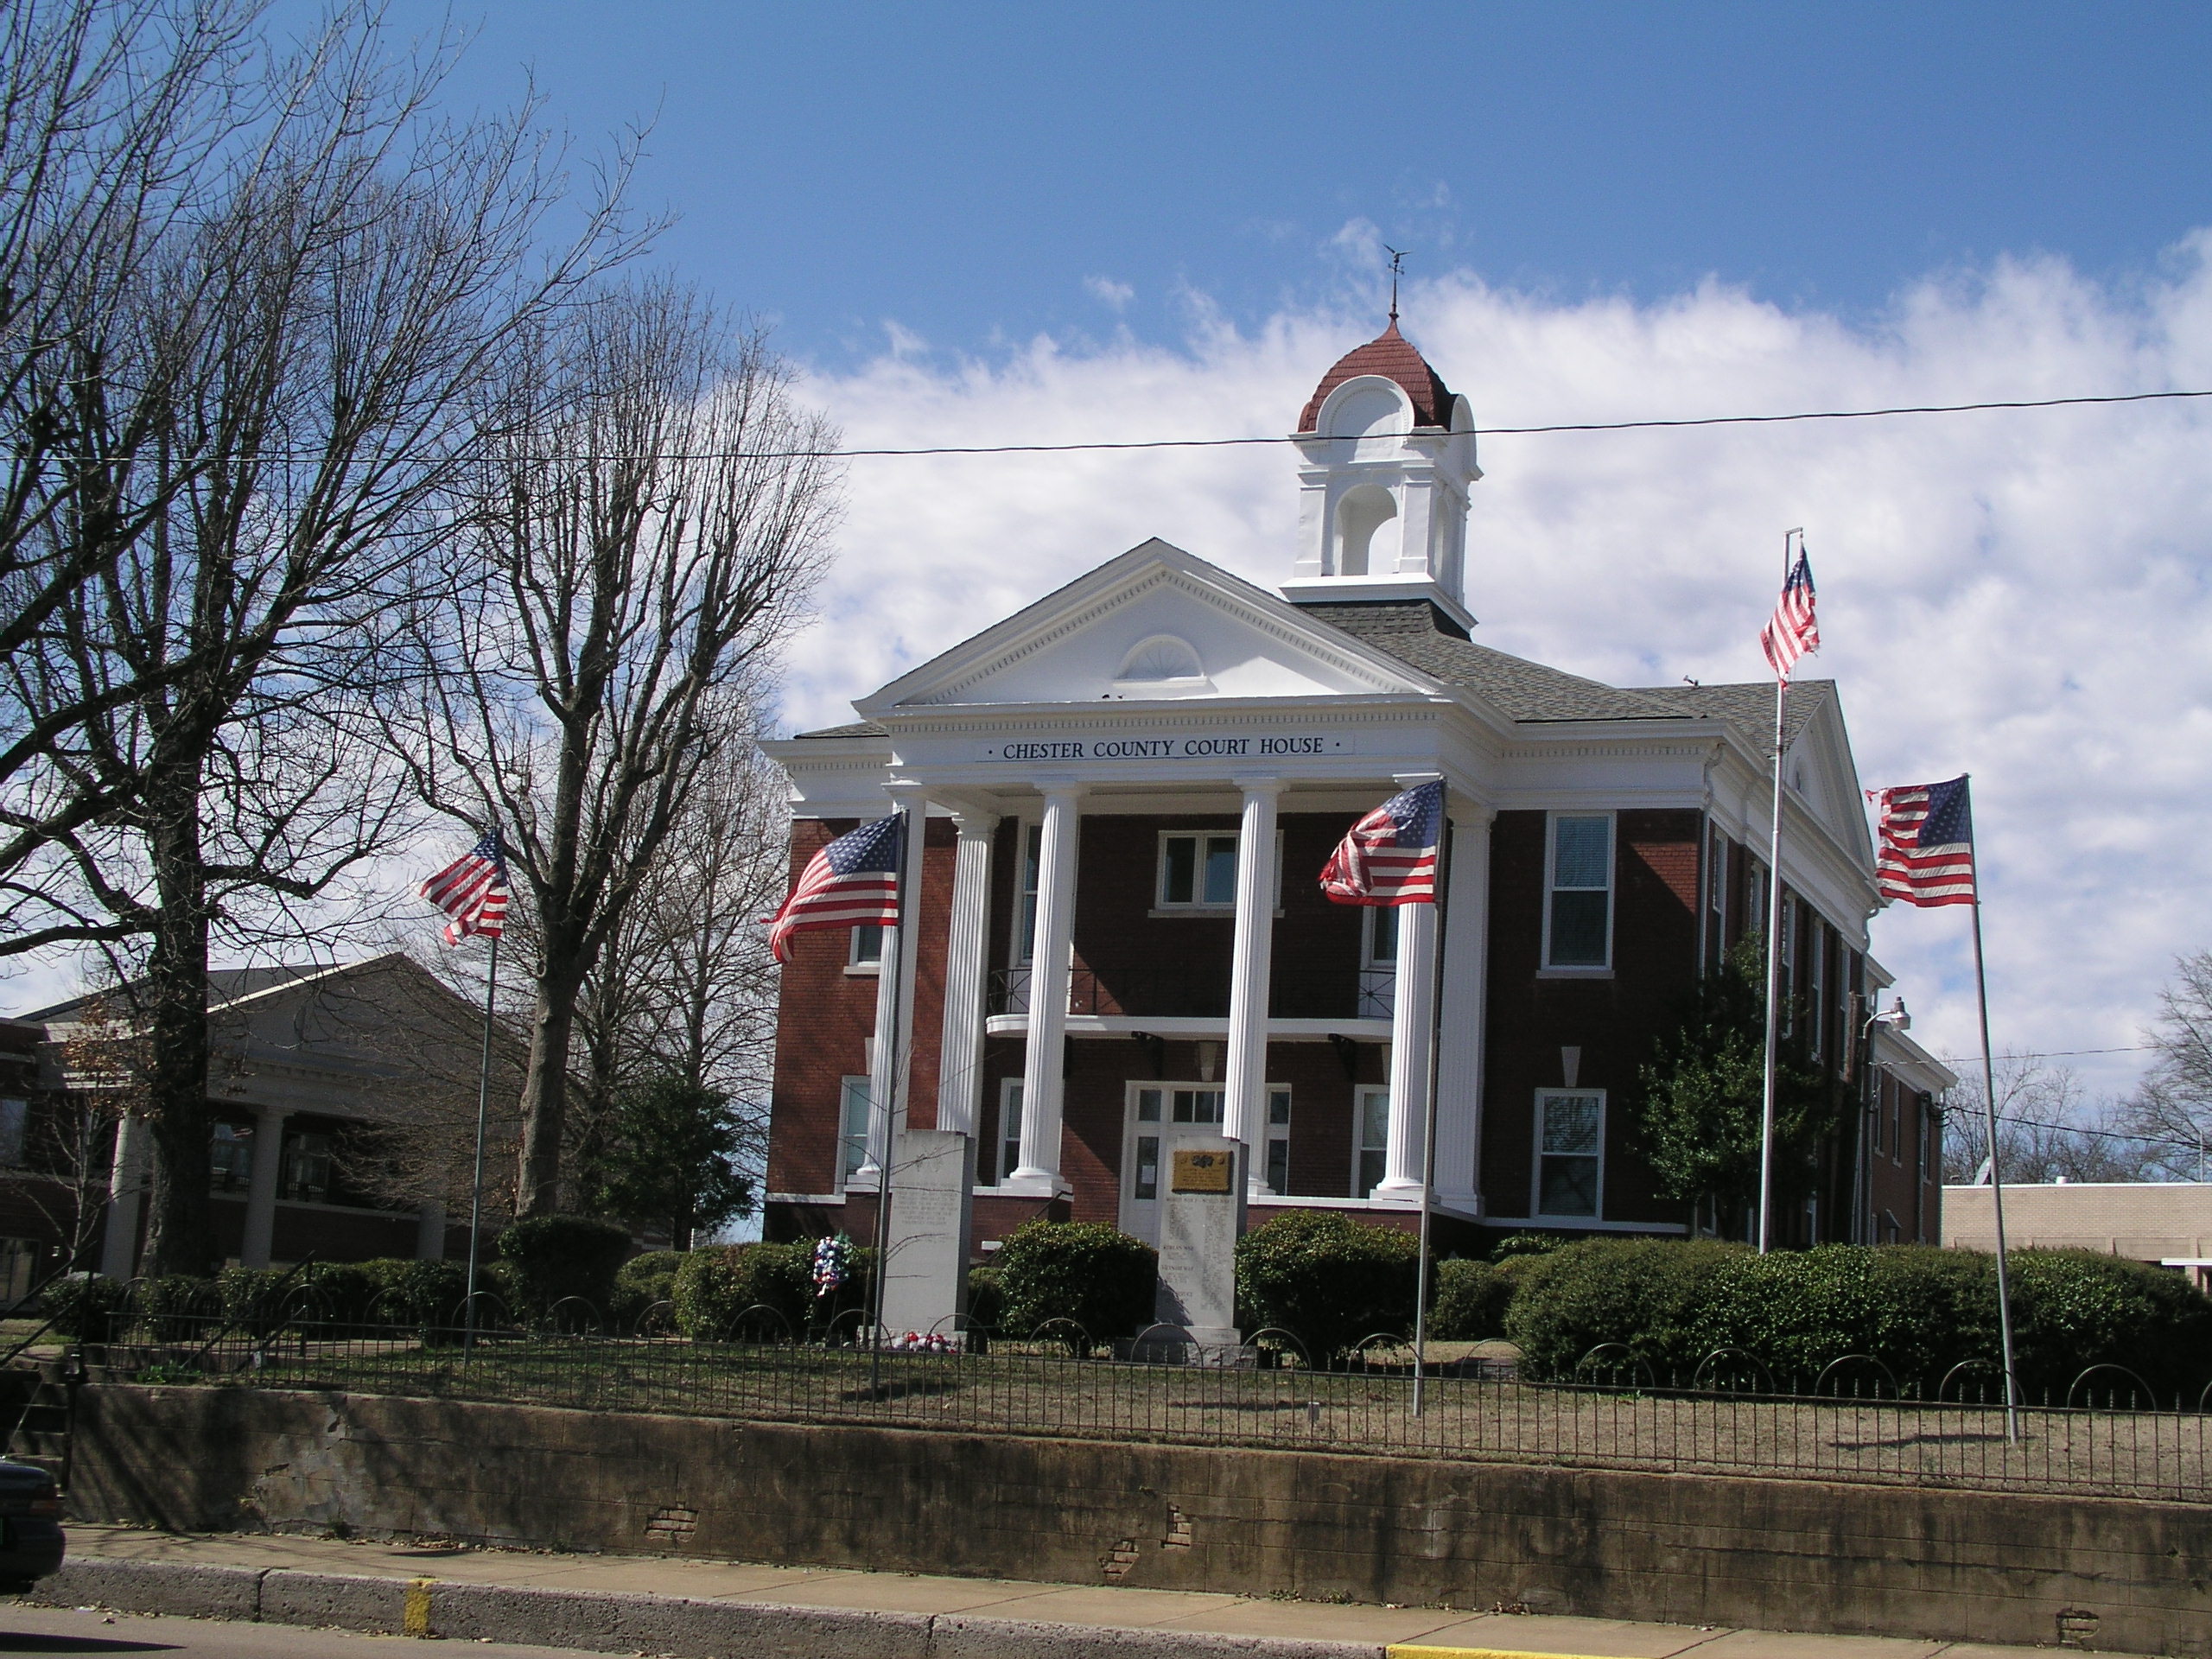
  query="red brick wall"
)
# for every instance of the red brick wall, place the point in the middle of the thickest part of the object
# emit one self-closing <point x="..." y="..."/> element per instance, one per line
<point x="1614" y="1021"/>
<point x="826" y="1019"/>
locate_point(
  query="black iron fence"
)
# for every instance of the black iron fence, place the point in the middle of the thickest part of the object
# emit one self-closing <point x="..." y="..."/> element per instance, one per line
<point x="1852" y="1423"/>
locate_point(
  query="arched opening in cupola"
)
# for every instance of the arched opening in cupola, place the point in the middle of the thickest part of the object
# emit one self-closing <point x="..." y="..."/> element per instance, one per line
<point x="1360" y="513"/>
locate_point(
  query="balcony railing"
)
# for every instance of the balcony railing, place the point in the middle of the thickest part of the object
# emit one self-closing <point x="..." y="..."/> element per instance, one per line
<point x="1175" y="993"/>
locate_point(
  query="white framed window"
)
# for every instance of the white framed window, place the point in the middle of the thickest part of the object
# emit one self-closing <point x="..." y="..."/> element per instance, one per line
<point x="1278" y="1160"/>
<point x="1816" y="991"/>
<point x="1789" y="965"/>
<point x="1570" y="1152"/>
<point x="1579" y="886"/>
<point x="1009" y="1127"/>
<point x="865" y="954"/>
<point x="1198" y="870"/>
<point x="1030" y="838"/>
<point x="1378" y="961"/>
<point x="1716" y="894"/>
<point x="1371" y="1140"/>
<point x="230" y="1157"/>
<point x="854" y="1101"/>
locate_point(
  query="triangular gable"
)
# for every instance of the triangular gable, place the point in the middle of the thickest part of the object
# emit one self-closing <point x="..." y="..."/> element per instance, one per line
<point x="1155" y="624"/>
<point x="1821" y="769"/>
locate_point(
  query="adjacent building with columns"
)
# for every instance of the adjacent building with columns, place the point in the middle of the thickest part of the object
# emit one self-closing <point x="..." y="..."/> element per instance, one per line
<point x="1122" y="799"/>
<point x="307" y="1062"/>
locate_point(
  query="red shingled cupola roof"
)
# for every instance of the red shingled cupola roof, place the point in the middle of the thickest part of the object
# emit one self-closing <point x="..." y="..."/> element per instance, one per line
<point x="1391" y="355"/>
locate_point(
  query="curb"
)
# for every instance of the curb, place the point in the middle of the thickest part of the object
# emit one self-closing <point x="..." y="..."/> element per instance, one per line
<point x="597" y="1621"/>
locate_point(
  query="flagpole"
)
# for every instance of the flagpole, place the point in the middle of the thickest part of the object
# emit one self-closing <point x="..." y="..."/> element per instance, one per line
<point x="1428" y="1145"/>
<point x="476" y="1186"/>
<point x="891" y="960"/>
<point x="1773" y="950"/>
<point x="1996" y="1174"/>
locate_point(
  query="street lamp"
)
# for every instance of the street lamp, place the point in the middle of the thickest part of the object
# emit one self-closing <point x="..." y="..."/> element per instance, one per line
<point x="1895" y="1017"/>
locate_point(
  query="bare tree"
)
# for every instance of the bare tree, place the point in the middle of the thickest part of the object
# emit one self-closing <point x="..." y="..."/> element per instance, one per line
<point x="2047" y="1129"/>
<point x="641" y="539"/>
<point x="2174" y="1100"/>
<point x="364" y="269"/>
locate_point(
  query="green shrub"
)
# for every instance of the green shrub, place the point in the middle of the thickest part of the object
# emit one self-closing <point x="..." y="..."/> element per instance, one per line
<point x="341" y="1294"/>
<point x="1918" y="1311"/>
<point x="986" y="1298"/>
<point x="422" y="1294"/>
<point x="641" y="1282"/>
<point x="555" y="1257"/>
<point x="714" y="1287"/>
<point x="1103" y="1279"/>
<point x="81" y="1304"/>
<point x="178" y="1308"/>
<point x="1519" y="1245"/>
<point x="1326" y="1279"/>
<point x="1467" y="1301"/>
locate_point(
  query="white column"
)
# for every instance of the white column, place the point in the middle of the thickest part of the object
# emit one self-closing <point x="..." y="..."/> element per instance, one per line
<point x="1412" y="1026"/>
<point x="1244" y="1090"/>
<point x="894" y="1000"/>
<point x="261" y="1189"/>
<point x="430" y="1231"/>
<point x="126" y="1194"/>
<point x="1464" y="992"/>
<point x="1052" y="964"/>
<point x="960" y="1057"/>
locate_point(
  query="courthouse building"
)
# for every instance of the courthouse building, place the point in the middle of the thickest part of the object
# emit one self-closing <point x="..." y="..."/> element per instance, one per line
<point x="1131" y="788"/>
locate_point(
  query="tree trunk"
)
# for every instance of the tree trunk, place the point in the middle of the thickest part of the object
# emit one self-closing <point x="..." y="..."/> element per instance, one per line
<point x="545" y="1098"/>
<point x="174" y="1015"/>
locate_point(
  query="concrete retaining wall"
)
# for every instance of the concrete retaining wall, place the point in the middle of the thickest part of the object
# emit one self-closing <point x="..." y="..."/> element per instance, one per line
<point x="1775" y="1554"/>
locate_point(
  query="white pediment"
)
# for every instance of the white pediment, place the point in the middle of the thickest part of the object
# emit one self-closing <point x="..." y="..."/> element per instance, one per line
<point x="1820" y="768"/>
<point x="1156" y="624"/>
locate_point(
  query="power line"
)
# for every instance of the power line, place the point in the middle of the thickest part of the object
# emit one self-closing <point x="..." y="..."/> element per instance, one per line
<point x="1110" y="446"/>
<point x="2053" y="1054"/>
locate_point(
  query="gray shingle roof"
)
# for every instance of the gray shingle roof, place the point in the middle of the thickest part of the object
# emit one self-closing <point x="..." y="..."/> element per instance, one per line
<point x="1417" y="633"/>
<point x="857" y="729"/>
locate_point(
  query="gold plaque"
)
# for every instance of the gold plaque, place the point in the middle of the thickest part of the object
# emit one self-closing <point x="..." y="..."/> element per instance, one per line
<point x="1201" y="1172"/>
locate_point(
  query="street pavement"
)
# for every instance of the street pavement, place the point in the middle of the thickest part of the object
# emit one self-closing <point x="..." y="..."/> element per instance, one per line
<point x="71" y="1631"/>
<point x="1032" y="1617"/>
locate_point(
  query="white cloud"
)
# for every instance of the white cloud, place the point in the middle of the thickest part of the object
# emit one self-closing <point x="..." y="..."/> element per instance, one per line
<point x="2022" y="595"/>
<point x="1115" y="296"/>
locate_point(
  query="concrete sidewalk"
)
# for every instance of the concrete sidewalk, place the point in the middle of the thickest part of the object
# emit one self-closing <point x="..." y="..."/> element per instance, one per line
<point x="706" y="1609"/>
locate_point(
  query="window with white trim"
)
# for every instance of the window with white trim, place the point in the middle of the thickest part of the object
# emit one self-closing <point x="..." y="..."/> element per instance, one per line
<point x="1368" y="1157"/>
<point x="1009" y="1127"/>
<point x="1277" y="1160"/>
<point x="1031" y="842"/>
<point x="1198" y="870"/>
<point x="865" y="955"/>
<point x="1716" y="894"/>
<point x="1378" y="961"/>
<point x="853" y="1113"/>
<point x="1579" y="878"/>
<point x="1816" y="991"/>
<point x="1571" y="1151"/>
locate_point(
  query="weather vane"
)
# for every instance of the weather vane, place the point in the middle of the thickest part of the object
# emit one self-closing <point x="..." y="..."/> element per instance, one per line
<point x="1397" y="269"/>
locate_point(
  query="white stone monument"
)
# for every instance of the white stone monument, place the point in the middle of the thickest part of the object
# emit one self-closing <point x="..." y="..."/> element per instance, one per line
<point x="1201" y="1218"/>
<point x="925" y="1278"/>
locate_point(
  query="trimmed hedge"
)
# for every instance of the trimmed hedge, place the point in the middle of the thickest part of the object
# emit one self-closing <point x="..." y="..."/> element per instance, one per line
<point x="1103" y="1279"/>
<point x="1919" y="1310"/>
<point x="1467" y="1301"/>
<point x="644" y="1279"/>
<point x="1328" y="1280"/>
<point x="80" y="1304"/>
<point x="714" y="1285"/>
<point x="555" y="1257"/>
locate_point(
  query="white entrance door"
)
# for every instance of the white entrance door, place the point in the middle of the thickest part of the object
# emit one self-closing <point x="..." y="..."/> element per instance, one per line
<point x="1154" y="1111"/>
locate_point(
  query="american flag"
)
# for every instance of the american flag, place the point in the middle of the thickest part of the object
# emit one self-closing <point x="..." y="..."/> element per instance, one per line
<point x="1927" y="851"/>
<point x="473" y="890"/>
<point x="852" y="882"/>
<point x="1389" y="857"/>
<point x="1793" y="630"/>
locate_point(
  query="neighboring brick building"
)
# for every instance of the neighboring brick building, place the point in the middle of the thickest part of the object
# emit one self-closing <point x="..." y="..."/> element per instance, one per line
<point x="2166" y="1222"/>
<point x="1096" y="960"/>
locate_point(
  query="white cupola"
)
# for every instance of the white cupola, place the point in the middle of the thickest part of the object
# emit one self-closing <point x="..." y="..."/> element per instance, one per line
<point x="1387" y="454"/>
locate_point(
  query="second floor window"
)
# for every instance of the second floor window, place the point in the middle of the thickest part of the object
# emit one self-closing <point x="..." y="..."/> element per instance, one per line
<point x="1198" y="872"/>
<point x="1578" y="923"/>
<point x="231" y="1158"/>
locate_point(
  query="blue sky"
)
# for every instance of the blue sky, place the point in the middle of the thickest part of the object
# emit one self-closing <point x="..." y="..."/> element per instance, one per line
<point x="964" y="171"/>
